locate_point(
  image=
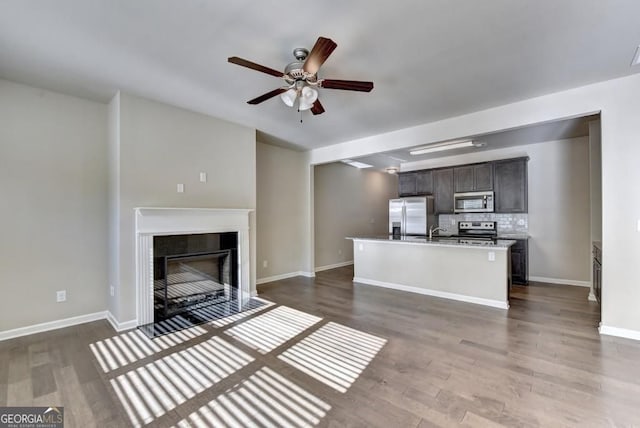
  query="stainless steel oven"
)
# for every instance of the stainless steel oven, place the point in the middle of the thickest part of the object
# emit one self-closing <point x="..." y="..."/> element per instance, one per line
<point x="473" y="202"/>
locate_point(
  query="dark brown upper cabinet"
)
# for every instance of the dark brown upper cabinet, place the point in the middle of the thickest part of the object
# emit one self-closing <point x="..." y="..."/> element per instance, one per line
<point x="507" y="178"/>
<point x="407" y="184"/>
<point x="424" y="182"/>
<point x="510" y="185"/>
<point x="473" y="178"/>
<point x="415" y="183"/>
<point x="443" y="190"/>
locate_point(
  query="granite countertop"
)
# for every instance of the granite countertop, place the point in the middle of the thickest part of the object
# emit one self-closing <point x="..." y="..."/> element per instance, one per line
<point x="445" y="241"/>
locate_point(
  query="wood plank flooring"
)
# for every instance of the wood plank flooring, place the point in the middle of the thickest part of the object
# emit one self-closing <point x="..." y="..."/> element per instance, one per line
<point x="355" y="355"/>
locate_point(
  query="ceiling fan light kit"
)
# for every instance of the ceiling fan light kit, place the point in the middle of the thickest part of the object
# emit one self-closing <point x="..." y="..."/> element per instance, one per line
<point x="301" y="78"/>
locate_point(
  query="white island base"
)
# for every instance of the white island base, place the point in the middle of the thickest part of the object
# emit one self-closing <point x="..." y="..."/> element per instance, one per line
<point x="475" y="274"/>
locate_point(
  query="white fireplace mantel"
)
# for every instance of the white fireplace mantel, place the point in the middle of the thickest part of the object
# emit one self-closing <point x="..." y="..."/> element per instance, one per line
<point x="153" y="221"/>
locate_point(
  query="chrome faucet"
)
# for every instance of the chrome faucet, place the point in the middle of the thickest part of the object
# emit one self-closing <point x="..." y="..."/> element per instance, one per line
<point x="435" y="229"/>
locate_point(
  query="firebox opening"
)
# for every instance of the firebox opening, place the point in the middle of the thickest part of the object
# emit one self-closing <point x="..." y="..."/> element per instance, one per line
<point x="195" y="279"/>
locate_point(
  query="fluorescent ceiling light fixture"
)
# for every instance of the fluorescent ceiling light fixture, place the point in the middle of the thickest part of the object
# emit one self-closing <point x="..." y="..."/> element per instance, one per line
<point x="439" y="147"/>
<point x="357" y="164"/>
<point x="636" y="57"/>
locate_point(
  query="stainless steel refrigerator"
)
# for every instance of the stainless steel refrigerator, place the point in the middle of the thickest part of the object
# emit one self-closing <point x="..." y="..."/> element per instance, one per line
<point x="411" y="216"/>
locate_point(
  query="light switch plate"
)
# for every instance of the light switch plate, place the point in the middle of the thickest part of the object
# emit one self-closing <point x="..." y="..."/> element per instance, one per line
<point x="180" y="188"/>
<point x="638" y="226"/>
<point x="361" y="247"/>
<point x="492" y="256"/>
<point x="61" y="296"/>
<point x="203" y="177"/>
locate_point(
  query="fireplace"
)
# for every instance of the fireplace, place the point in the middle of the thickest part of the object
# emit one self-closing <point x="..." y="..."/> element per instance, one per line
<point x="191" y="263"/>
<point x="193" y="271"/>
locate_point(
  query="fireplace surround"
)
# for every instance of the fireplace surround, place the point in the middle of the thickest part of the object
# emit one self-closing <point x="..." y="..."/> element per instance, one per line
<point x="160" y="223"/>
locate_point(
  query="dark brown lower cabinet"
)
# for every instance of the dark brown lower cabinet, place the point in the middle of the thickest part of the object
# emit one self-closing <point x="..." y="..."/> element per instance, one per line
<point x="520" y="262"/>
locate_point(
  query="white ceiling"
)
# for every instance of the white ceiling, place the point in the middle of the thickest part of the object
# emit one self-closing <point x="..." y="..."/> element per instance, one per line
<point x="429" y="59"/>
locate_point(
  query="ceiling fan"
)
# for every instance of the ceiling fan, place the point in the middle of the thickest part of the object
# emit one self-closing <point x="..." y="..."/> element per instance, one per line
<point x="301" y="78"/>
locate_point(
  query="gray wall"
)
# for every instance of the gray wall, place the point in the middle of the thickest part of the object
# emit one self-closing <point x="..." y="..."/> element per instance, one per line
<point x="53" y="182"/>
<point x="160" y="146"/>
<point x="282" y="214"/>
<point x="559" y="205"/>
<point x="348" y="201"/>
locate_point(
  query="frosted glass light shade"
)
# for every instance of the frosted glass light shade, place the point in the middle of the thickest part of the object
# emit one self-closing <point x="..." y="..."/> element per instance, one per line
<point x="289" y="97"/>
<point x="307" y="98"/>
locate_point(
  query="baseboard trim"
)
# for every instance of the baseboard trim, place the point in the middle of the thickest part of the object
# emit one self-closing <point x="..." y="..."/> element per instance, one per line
<point x="334" y="266"/>
<point x="120" y="326"/>
<point x="284" y="276"/>
<point x="435" y="293"/>
<point x="560" y="281"/>
<point x="51" y="325"/>
<point x="619" y="332"/>
<point x="276" y="277"/>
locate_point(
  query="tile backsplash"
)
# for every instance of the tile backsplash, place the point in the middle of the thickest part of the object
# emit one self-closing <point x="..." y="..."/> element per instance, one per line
<point x="507" y="223"/>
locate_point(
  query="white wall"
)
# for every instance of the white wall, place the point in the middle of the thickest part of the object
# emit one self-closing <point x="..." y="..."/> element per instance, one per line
<point x="348" y="202"/>
<point x="282" y="216"/>
<point x="619" y="105"/>
<point x="160" y="146"/>
<point x="559" y="209"/>
<point x="53" y="182"/>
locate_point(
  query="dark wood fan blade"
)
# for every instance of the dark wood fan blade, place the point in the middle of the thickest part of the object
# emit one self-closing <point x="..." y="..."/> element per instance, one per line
<point x="347" y="85"/>
<point x="254" y="66"/>
<point x="319" y="54"/>
<point x="317" y="108"/>
<point x="265" y="97"/>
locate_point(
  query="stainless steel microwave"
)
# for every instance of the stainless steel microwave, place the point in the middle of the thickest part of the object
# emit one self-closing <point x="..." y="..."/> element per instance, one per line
<point x="473" y="202"/>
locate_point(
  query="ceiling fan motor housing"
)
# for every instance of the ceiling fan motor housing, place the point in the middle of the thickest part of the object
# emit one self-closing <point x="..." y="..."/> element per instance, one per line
<point x="295" y="71"/>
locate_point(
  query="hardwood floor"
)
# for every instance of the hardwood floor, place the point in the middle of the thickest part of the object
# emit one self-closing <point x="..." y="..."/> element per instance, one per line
<point x="330" y="353"/>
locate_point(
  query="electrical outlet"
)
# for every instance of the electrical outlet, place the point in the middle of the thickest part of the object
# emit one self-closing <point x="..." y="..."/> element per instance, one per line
<point x="203" y="177"/>
<point x="112" y="290"/>
<point x="638" y="225"/>
<point x="453" y="222"/>
<point x="265" y="264"/>
<point x="61" y="296"/>
<point x="180" y="188"/>
<point x="492" y="256"/>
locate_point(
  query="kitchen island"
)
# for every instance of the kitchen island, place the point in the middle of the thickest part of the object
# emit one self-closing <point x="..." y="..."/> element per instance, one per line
<point x="441" y="267"/>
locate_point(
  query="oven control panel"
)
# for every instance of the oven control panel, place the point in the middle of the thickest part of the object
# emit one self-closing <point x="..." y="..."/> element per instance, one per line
<point x="477" y="225"/>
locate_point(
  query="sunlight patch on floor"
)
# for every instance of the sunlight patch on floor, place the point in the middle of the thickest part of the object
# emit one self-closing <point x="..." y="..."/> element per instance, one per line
<point x="334" y="354"/>
<point x="270" y="330"/>
<point x="123" y="349"/>
<point x="265" y="399"/>
<point x="158" y="387"/>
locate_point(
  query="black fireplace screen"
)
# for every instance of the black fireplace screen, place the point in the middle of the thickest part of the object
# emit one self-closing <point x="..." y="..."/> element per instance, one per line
<point x="192" y="281"/>
<point x="193" y="271"/>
